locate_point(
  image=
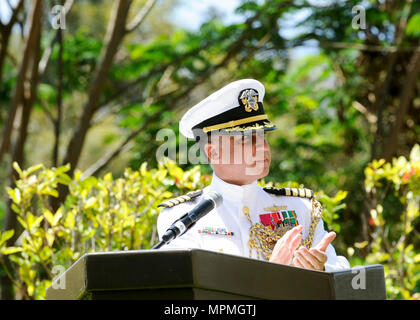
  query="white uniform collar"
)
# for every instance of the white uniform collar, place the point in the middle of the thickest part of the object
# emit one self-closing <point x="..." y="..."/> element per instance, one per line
<point x="234" y="193"/>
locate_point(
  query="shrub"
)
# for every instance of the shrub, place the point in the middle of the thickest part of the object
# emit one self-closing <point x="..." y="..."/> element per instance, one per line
<point x="99" y="214"/>
<point x="394" y="193"/>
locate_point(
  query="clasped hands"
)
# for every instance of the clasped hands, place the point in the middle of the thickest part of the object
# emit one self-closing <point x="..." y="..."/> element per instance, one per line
<point x="286" y="250"/>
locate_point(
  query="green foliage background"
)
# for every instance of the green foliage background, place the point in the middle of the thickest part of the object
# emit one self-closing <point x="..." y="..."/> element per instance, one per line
<point x="105" y="214"/>
<point x="336" y="107"/>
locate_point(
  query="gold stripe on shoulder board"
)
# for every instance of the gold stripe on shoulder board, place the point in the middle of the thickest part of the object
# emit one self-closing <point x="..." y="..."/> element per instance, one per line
<point x="184" y="198"/>
<point x="294" y="192"/>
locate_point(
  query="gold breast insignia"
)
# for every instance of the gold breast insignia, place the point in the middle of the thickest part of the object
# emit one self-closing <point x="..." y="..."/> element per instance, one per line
<point x="275" y="208"/>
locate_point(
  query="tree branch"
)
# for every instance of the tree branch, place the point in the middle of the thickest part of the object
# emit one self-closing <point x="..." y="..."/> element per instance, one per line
<point x="233" y="50"/>
<point x="5" y="35"/>
<point x="176" y="62"/>
<point x="47" y="112"/>
<point x="19" y="87"/>
<point x="383" y="89"/>
<point x="141" y="16"/>
<point x="57" y="123"/>
<point x="366" y="47"/>
<point x="47" y="52"/>
<point x="115" y="34"/>
<point x="15" y="12"/>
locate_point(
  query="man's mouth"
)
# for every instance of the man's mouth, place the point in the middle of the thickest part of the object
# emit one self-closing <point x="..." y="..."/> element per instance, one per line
<point x="265" y="161"/>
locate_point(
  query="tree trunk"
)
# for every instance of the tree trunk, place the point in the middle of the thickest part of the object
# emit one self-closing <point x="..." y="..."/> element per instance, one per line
<point x="115" y="34"/>
<point x="57" y="122"/>
<point x="6" y="30"/>
<point x="24" y="97"/>
<point x="18" y="90"/>
<point x="116" y="31"/>
<point x="405" y="100"/>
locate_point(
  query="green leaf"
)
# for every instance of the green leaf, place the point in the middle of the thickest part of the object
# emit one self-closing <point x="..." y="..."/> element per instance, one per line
<point x="17" y="168"/>
<point x="31" y="289"/>
<point x="90" y="182"/>
<point x="46" y="92"/>
<point x="15" y="208"/>
<point x="14" y="194"/>
<point x="53" y="193"/>
<point x="6" y="236"/>
<point x="340" y="196"/>
<point x="32" y="221"/>
<point x="45" y="253"/>
<point x="49" y="216"/>
<point x="415" y="152"/>
<point x="70" y="221"/>
<point x="33" y="169"/>
<point x="91" y="203"/>
<point x="22" y="222"/>
<point x="413" y="26"/>
<point x="57" y="216"/>
<point x="64" y="179"/>
<point x="49" y="235"/>
<point x="143" y="168"/>
<point x="11" y="250"/>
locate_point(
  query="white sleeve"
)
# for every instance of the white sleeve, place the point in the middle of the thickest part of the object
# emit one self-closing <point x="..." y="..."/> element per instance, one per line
<point x="165" y="220"/>
<point x="334" y="262"/>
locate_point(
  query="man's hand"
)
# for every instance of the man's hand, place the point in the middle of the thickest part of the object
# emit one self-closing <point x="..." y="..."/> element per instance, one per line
<point x="314" y="258"/>
<point x="286" y="246"/>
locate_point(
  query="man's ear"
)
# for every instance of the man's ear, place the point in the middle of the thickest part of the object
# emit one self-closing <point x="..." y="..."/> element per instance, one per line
<point x="211" y="152"/>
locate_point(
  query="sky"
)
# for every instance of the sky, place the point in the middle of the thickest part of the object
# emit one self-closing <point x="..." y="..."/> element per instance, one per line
<point x="190" y="14"/>
<point x="4" y="10"/>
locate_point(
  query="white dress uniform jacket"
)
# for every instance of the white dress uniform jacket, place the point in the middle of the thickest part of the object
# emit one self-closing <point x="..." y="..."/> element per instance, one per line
<point x="229" y="216"/>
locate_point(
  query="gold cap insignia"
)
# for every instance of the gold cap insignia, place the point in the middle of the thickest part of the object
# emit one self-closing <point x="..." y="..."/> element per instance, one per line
<point x="249" y="99"/>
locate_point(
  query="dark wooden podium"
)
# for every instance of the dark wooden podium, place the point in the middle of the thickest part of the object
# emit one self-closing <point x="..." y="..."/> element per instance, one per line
<point x="201" y="274"/>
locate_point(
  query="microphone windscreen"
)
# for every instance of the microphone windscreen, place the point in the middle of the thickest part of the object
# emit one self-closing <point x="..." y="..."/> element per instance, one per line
<point x="215" y="197"/>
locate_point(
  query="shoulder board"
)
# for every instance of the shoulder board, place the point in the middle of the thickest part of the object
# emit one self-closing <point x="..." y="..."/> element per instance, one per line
<point x="175" y="201"/>
<point x="294" y="192"/>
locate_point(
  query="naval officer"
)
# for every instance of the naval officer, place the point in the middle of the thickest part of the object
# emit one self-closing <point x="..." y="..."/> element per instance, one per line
<point x="279" y="225"/>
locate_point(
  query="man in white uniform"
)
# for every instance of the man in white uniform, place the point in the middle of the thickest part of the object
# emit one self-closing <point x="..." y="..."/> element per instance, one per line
<point x="280" y="225"/>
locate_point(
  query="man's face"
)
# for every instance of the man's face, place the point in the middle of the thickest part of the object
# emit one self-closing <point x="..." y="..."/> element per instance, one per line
<point x="240" y="159"/>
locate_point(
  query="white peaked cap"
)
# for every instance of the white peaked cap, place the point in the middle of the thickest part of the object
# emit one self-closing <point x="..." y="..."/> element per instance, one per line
<point x="217" y="103"/>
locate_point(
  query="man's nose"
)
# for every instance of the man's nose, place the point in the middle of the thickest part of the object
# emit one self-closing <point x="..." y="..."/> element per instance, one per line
<point x="260" y="143"/>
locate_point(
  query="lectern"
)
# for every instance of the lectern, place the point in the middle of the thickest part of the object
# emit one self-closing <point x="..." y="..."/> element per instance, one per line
<point x="200" y="274"/>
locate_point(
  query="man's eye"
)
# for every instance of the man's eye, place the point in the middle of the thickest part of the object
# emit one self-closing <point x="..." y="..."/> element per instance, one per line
<point x="240" y="140"/>
<point x="246" y="140"/>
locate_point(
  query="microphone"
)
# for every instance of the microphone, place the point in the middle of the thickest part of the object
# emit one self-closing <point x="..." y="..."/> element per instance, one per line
<point x="180" y="226"/>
